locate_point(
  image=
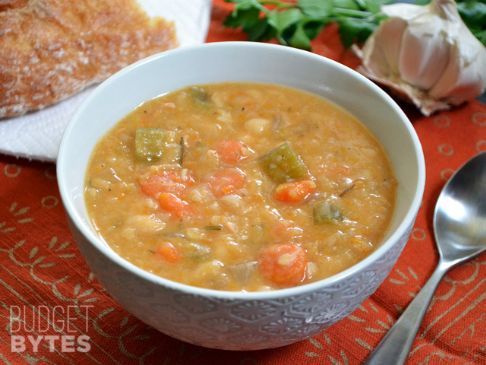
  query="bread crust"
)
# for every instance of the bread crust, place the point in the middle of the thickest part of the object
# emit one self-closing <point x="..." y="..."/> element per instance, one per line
<point x="10" y="4"/>
<point x="52" y="49"/>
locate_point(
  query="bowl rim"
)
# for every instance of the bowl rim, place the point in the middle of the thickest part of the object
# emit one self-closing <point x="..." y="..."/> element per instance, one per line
<point x="116" y="259"/>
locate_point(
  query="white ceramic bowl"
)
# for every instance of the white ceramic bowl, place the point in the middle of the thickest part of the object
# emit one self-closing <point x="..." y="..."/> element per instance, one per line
<point x="236" y="320"/>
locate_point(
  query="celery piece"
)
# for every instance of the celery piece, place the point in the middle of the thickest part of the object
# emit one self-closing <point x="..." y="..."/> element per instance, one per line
<point x="326" y="212"/>
<point x="200" y="95"/>
<point x="283" y="164"/>
<point x="172" y="154"/>
<point x="149" y="143"/>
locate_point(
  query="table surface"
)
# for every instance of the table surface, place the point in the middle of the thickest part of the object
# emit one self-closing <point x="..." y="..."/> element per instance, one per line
<point x="41" y="266"/>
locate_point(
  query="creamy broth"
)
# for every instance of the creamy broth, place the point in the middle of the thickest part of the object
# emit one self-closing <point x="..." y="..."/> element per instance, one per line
<point x="240" y="187"/>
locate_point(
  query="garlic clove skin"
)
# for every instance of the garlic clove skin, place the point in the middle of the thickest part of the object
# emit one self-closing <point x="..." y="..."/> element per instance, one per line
<point x="427" y="55"/>
<point x="388" y="43"/>
<point x="423" y="37"/>
<point x="465" y="75"/>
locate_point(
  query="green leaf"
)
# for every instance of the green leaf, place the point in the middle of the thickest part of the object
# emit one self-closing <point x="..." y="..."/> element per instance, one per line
<point x="312" y="28"/>
<point x="473" y="13"/>
<point x="316" y="8"/>
<point x="355" y="30"/>
<point x="361" y="4"/>
<point x="281" y="20"/>
<point x="244" y="18"/>
<point x="261" y="31"/>
<point x="246" y="14"/>
<point x="300" y="39"/>
<point x="346" y="4"/>
<point x="245" y="4"/>
<point x="373" y="6"/>
<point x="480" y="34"/>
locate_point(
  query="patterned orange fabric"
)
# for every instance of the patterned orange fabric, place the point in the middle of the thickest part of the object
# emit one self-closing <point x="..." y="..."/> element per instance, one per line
<point x="43" y="275"/>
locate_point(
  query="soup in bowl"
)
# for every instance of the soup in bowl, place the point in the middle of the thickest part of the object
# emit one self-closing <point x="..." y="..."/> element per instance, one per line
<point x="212" y="186"/>
<point x="240" y="196"/>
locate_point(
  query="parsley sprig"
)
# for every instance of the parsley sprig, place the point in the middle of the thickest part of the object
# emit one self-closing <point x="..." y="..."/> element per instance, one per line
<point x="296" y="23"/>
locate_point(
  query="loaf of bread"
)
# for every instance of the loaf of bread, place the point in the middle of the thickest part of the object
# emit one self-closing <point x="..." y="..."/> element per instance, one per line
<point x="52" y="49"/>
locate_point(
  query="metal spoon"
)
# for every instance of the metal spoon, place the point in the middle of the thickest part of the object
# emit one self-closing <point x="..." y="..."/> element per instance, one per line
<point x="460" y="234"/>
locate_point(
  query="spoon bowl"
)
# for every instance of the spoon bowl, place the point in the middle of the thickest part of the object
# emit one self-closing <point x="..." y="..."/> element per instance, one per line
<point x="460" y="234"/>
<point x="460" y="213"/>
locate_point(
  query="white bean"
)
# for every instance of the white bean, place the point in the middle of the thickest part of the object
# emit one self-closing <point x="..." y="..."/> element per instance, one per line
<point x="209" y="269"/>
<point x="257" y="125"/>
<point x="311" y="269"/>
<point x="233" y="202"/>
<point x="99" y="183"/>
<point x="195" y="233"/>
<point x="224" y="116"/>
<point x="92" y="192"/>
<point x="145" y="223"/>
<point x="150" y="203"/>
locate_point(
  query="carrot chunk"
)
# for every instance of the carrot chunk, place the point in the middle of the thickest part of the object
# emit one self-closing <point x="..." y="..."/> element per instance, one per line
<point x="231" y="152"/>
<point x="294" y="192"/>
<point x="166" y="181"/>
<point x="168" y="252"/>
<point x="284" y="264"/>
<point x="226" y="181"/>
<point x="174" y="205"/>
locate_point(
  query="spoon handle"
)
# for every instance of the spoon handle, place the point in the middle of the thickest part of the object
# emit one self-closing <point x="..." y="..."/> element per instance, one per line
<point x="395" y="346"/>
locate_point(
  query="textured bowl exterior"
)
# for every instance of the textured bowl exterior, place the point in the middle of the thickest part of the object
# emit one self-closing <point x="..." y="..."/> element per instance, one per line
<point x="238" y="324"/>
<point x="236" y="320"/>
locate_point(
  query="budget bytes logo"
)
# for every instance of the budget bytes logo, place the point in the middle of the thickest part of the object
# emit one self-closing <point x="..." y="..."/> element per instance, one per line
<point x="57" y="328"/>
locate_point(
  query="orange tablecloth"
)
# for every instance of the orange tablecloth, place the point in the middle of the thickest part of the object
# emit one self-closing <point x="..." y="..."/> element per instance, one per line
<point x="41" y="266"/>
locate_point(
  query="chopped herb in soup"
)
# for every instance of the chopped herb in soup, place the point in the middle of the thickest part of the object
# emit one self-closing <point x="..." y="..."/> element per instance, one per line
<point x="240" y="187"/>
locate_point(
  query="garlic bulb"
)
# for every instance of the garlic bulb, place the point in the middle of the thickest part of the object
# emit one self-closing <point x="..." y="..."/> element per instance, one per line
<point x="427" y="54"/>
